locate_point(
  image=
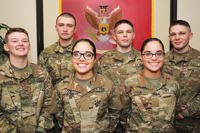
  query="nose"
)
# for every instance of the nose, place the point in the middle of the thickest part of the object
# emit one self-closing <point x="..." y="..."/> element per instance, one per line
<point x="124" y="34"/>
<point x="154" y="57"/>
<point x="177" y="36"/>
<point x="65" y="27"/>
<point x="21" y="42"/>
<point x="82" y="57"/>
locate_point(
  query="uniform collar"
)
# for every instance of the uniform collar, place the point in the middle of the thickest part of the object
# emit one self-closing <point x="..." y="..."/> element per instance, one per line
<point x="61" y="49"/>
<point x="92" y="83"/>
<point x="8" y="70"/>
<point x="143" y="82"/>
<point x="125" y="57"/>
<point x="177" y="57"/>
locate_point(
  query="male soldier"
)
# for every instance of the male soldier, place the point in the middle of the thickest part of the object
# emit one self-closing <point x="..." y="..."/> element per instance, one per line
<point x="123" y="61"/>
<point x="25" y="88"/>
<point x="183" y="62"/>
<point x="56" y="58"/>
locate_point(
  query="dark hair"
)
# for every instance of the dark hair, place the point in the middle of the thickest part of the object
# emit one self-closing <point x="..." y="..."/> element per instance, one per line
<point x="180" y="22"/>
<point x="86" y="40"/>
<point x="150" y="40"/>
<point x="66" y="14"/>
<point x="15" y="29"/>
<point x="123" y="21"/>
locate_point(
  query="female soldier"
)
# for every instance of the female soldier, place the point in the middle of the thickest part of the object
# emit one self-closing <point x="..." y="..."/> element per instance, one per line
<point x="153" y="93"/>
<point x="83" y="94"/>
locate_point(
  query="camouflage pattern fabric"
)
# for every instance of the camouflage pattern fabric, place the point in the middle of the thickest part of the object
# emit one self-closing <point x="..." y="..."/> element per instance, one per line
<point x="3" y="58"/>
<point x="118" y="66"/>
<point x="85" y="105"/>
<point x="186" y="69"/>
<point x="25" y="96"/>
<point x="153" y="104"/>
<point x="57" y="61"/>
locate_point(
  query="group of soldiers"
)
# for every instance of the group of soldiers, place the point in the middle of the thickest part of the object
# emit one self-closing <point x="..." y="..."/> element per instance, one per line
<point x="70" y="90"/>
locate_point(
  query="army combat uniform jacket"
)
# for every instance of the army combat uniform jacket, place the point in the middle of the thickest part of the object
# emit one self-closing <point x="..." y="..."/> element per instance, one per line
<point x="153" y="104"/>
<point x="24" y="99"/>
<point x="186" y="69"/>
<point x="85" y="105"/>
<point x="118" y="66"/>
<point x="3" y="58"/>
<point x="57" y="61"/>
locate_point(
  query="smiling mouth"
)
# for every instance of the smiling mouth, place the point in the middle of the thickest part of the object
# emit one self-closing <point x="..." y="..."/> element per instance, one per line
<point x="154" y="63"/>
<point x="82" y="65"/>
<point x="20" y="49"/>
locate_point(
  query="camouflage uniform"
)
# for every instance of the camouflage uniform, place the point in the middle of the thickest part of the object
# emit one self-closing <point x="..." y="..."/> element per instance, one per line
<point x="186" y="69"/>
<point x="57" y="61"/>
<point x="24" y="99"/>
<point x="3" y="58"/>
<point x="153" y="104"/>
<point x="118" y="66"/>
<point x="85" y="105"/>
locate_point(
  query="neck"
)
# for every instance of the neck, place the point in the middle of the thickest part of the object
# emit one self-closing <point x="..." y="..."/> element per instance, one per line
<point x="65" y="42"/>
<point x="20" y="62"/>
<point x="84" y="76"/>
<point x="124" y="49"/>
<point x="151" y="75"/>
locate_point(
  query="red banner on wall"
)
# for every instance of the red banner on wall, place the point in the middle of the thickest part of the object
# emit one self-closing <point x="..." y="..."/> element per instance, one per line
<point x="96" y="18"/>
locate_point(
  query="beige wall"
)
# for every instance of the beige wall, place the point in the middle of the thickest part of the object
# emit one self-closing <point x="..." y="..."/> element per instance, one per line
<point x="189" y="10"/>
<point x="51" y="11"/>
<point x="162" y="21"/>
<point x="21" y="13"/>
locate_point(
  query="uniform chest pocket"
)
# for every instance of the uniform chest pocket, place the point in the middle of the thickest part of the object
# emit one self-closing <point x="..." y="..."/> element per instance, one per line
<point x="10" y="100"/>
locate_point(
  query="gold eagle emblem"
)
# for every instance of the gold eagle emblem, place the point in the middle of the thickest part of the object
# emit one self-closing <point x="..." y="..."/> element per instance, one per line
<point x="103" y="22"/>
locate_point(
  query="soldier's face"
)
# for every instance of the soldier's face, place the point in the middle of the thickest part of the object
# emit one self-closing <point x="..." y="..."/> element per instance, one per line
<point x="124" y="35"/>
<point x="84" y="64"/>
<point x="180" y="36"/>
<point x="18" y="44"/>
<point x="65" y="27"/>
<point x="154" y="63"/>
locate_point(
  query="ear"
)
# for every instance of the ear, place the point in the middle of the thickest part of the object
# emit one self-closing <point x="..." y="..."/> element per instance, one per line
<point x="140" y="56"/>
<point x="56" y="28"/>
<point x="191" y="35"/>
<point x="6" y="47"/>
<point x="95" y="60"/>
<point x="114" y="36"/>
<point x="133" y="35"/>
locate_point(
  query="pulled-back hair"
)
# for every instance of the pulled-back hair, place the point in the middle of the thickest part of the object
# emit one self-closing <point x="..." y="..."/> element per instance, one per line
<point x="150" y="40"/>
<point x="86" y="40"/>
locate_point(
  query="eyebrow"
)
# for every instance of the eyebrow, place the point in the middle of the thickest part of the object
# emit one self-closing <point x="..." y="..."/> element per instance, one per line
<point x="156" y="51"/>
